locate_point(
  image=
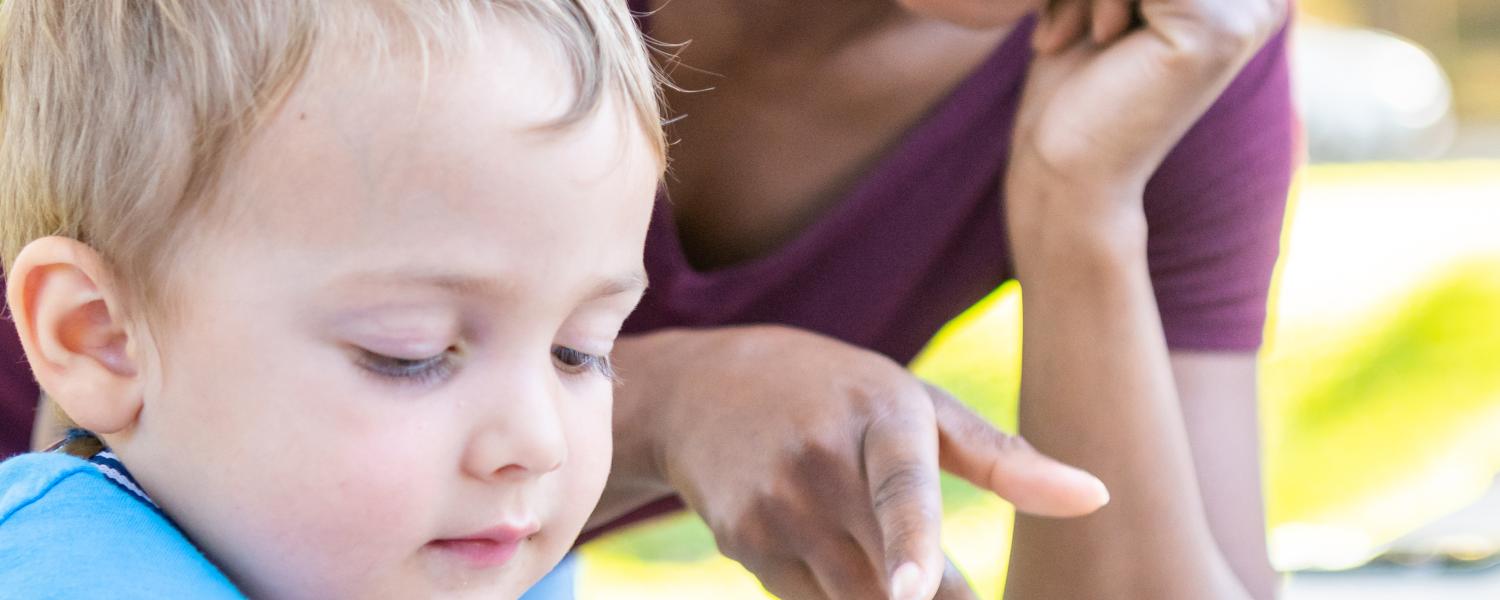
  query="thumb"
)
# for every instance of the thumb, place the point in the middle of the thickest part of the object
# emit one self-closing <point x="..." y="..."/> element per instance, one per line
<point x="972" y="448"/>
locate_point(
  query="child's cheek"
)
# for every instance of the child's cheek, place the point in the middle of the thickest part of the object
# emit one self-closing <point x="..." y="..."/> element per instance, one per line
<point x="371" y="473"/>
<point x="589" y="450"/>
<point x="370" y="515"/>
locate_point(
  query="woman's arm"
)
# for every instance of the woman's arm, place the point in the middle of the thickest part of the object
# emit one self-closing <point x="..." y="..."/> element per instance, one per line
<point x="1099" y="388"/>
<point x="1219" y="410"/>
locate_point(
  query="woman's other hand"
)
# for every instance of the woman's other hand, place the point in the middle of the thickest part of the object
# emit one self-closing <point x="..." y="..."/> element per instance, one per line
<point x="1116" y="83"/>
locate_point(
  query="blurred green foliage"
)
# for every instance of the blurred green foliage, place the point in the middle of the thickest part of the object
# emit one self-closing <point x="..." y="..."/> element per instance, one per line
<point x="1390" y="402"/>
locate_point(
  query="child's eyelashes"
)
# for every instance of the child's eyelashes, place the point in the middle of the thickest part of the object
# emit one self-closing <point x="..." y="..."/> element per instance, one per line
<point x="407" y="370"/>
<point x="439" y="367"/>
<point x="575" y="362"/>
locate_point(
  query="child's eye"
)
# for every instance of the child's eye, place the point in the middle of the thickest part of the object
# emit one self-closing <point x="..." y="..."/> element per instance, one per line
<point x="573" y="361"/>
<point x="407" y="370"/>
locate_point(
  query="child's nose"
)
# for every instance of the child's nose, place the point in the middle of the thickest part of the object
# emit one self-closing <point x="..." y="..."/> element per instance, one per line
<point x="521" y="433"/>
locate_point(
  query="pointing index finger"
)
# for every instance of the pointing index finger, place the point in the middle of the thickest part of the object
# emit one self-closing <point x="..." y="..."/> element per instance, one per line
<point x="901" y="466"/>
<point x="975" y="450"/>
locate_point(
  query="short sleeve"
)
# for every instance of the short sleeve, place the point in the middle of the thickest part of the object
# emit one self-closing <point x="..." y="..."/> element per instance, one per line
<point x="1215" y="207"/>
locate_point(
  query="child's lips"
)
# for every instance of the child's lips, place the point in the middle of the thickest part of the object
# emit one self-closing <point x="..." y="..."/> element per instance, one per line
<point x="487" y="549"/>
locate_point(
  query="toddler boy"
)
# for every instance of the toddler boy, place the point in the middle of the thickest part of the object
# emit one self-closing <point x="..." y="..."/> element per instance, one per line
<point x="336" y="280"/>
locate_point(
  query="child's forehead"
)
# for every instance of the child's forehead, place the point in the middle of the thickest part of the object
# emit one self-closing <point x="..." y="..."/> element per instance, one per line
<point x="404" y="165"/>
<point x="509" y="75"/>
<point x="441" y="165"/>
<point x="328" y="233"/>
<point x="464" y="115"/>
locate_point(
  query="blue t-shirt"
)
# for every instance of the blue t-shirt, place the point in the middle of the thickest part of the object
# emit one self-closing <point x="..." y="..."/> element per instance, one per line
<point x="68" y="532"/>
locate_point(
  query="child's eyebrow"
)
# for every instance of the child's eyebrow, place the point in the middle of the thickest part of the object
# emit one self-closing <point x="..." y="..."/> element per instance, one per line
<point x="633" y="283"/>
<point x="463" y="285"/>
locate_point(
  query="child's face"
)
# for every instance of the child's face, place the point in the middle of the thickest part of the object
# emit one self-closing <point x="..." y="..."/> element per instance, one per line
<point x="381" y="382"/>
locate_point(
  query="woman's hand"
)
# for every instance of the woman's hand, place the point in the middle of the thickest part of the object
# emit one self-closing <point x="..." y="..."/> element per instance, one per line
<point x="1117" y="82"/>
<point x="814" y="462"/>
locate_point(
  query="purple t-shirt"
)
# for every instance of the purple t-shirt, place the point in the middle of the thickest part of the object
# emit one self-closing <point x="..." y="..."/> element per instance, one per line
<point x="920" y="238"/>
<point x="18" y="391"/>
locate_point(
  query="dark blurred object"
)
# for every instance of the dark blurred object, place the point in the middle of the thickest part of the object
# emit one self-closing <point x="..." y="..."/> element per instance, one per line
<point x="1456" y="557"/>
<point x="1464" y="35"/>
<point x="1395" y="583"/>
<point x="1467" y="540"/>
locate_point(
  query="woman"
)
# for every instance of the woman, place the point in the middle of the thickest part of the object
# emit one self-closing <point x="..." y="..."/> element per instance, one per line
<point x="850" y="175"/>
<point x="856" y="173"/>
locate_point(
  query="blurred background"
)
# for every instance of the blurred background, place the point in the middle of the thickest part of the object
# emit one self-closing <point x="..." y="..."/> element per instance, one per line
<point x="1381" y="372"/>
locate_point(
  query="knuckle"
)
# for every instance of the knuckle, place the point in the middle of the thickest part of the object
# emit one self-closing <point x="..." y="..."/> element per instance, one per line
<point x="746" y="546"/>
<point x="1226" y="40"/>
<point x="752" y="537"/>
<point x="969" y="427"/>
<point x="837" y="560"/>
<point x="901" y="489"/>
<point x="874" y="366"/>
<point x="849" y="580"/>
<point x="825" y="468"/>
<point x="1011" y="444"/>
<point x="978" y="429"/>
<point x="1224" y="37"/>
<point x="902" y="402"/>
<point x="1242" y="31"/>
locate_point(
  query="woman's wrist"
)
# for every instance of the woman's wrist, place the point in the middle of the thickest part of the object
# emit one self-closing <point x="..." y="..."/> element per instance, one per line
<point x="1068" y="224"/>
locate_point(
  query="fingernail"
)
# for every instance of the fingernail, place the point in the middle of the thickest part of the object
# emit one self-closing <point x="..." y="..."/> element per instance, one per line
<point x="1101" y="492"/>
<point x="1085" y="488"/>
<point x="906" y="583"/>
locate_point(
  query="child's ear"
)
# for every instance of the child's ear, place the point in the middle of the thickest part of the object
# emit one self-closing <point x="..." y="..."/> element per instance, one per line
<point x="69" y="319"/>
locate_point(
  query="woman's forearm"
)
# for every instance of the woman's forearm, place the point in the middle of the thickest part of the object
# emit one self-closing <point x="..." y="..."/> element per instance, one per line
<point x="1097" y="392"/>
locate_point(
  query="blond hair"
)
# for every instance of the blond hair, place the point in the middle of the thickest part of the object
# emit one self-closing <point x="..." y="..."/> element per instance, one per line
<point x="116" y="116"/>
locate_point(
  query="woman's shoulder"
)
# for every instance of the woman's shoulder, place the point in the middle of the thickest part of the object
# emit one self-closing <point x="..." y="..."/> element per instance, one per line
<point x="67" y="531"/>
